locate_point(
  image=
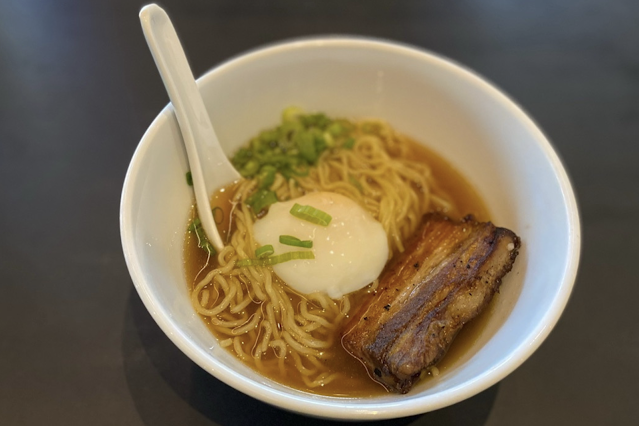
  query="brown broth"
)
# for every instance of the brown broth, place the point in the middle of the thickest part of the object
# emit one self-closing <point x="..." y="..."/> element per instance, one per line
<point x="354" y="381"/>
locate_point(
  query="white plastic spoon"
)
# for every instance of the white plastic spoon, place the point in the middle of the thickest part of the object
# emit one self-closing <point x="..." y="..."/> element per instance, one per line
<point x="209" y="166"/>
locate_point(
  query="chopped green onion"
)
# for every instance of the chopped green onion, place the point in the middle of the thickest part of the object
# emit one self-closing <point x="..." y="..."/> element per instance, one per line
<point x="336" y="129"/>
<point x="320" y="142"/>
<point x="349" y="144"/>
<point x="202" y="240"/>
<point x="289" y="240"/>
<point x="319" y="120"/>
<point x="250" y="168"/>
<point x="189" y="179"/>
<point x="269" y="137"/>
<point x="353" y="180"/>
<point x="301" y="171"/>
<point x="311" y="214"/>
<point x="215" y="215"/>
<point x="241" y="157"/>
<point x="261" y="199"/>
<point x="274" y="260"/>
<point x="330" y="142"/>
<point x="306" y="145"/>
<point x="298" y="142"/>
<point x="264" y="251"/>
<point x="291" y="113"/>
<point x="266" y="176"/>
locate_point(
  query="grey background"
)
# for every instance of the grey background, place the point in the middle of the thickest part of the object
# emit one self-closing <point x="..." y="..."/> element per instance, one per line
<point x="78" y="88"/>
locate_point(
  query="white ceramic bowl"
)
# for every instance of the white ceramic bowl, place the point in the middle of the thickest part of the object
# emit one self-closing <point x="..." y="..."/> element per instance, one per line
<point x="484" y="134"/>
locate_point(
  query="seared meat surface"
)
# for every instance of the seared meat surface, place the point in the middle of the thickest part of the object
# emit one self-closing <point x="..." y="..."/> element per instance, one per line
<point x="447" y="275"/>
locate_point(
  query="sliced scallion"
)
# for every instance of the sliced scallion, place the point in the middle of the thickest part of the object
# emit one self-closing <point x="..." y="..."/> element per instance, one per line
<point x="336" y="129"/>
<point x="266" y="176"/>
<point x="189" y="179"/>
<point x="349" y="144"/>
<point x="261" y="199"/>
<point x="264" y="251"/>
<point x="328" y="138"/>
<point x="218" y="215"/>
<point x="290" y="240"/>
<point x="202" y="240"/>
<point x="306" y="145"/>
<point x="274" y="260"/>
<point x="250" y="168"/>
<point x="311" y="214"/>
<point x="291" y="113"/>
<point x="298" y="142"/>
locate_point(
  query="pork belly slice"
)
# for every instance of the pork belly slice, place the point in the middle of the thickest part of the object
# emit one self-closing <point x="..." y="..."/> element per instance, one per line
<point x="447" y="275"/>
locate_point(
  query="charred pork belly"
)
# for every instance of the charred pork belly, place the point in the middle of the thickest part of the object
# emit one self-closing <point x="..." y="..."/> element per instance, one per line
<point x="447" y="275"/>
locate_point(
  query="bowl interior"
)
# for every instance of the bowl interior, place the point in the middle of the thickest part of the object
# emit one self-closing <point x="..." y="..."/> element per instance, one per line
<point x="477" y="129"/>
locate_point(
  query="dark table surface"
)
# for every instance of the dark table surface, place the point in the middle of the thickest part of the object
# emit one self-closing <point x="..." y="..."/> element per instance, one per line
<point x="78" y="88"/>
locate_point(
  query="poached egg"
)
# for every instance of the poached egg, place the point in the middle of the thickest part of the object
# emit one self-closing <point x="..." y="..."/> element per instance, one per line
<point x="350" y="252"/>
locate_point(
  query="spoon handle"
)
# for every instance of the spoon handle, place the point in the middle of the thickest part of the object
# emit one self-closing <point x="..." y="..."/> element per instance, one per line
<point x="209" y="164"/>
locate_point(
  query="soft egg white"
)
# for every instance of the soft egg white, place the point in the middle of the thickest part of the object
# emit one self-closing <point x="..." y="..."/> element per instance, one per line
<point x="349" y="253"/>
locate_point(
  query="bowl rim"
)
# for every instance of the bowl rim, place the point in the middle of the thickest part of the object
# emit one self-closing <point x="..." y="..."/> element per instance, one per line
<point x="349" y="408"/>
